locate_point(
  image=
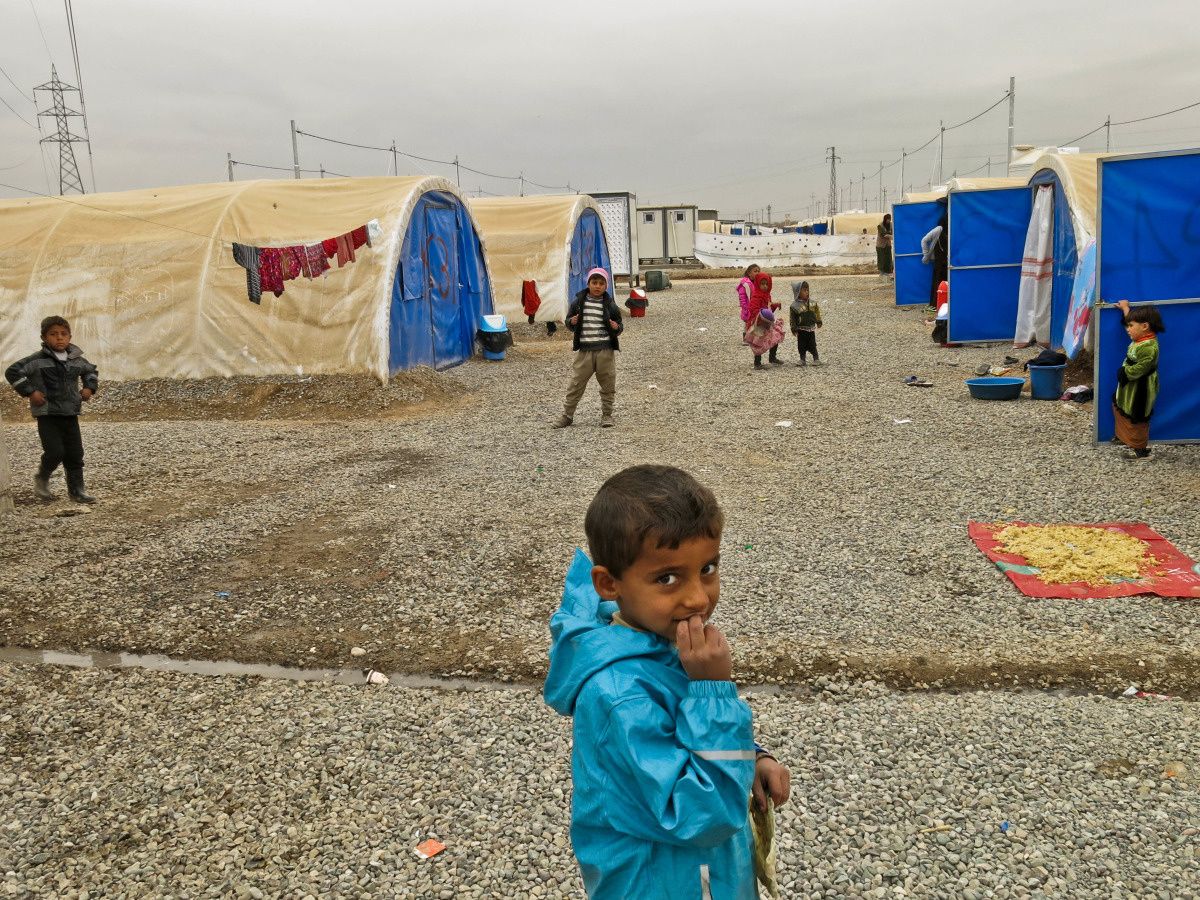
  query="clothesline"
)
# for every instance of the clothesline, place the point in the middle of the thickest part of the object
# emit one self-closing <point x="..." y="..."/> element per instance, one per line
<point x="267" y="268"/>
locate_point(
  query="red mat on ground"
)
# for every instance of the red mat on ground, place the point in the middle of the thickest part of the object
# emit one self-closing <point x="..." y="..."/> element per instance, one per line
<point x="1174" y="576"/>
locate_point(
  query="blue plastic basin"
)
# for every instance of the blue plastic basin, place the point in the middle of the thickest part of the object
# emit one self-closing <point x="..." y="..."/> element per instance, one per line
<point x="995" y="388"/>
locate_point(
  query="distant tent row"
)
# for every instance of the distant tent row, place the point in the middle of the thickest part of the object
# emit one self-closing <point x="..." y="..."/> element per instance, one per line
<point x="150" y="284"/>
<point x="550" y="240"/>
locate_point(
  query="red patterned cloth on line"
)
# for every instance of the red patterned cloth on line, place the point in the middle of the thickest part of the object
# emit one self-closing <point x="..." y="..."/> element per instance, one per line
<point x="270" y="270"/>
<point x="315" y="261"/>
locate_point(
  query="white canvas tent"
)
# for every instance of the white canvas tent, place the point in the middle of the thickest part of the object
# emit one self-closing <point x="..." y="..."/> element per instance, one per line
<point x="550" y="240"/>
<point x="148" y="279"/>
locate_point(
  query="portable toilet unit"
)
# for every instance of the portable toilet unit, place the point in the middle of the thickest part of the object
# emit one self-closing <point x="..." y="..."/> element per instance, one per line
<point x="618" y="212"/>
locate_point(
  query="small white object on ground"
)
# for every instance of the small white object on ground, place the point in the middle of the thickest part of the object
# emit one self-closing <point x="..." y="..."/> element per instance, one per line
<point x="357" y="651"/>
<point x="901" y="421"/>
<point x="376" y="677"/>
<point x="653" y="387"/>
<point x="702" y="329"/>
<point x="785" y="423"/>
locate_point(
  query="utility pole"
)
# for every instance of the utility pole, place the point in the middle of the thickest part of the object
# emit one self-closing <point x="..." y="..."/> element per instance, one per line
<point x="295" y="152"/>
<point x="229" y="164"/>
<point x="881" y="185"/>
<point x="1108" y="134"/>
<point x="522" y="184"/>
<point x="68" y="169"/>
<point x="989" y="167"/>
<point x="395" y="160"/>
<point x="942" y="152"/>
<point x="833" y="189"/>
<point x="768" y="213"/>
<point x="903" y="159"/>
<point x="1012" y="118"/>
<point x="322" y="169"/>
<point x="458" y="172"/>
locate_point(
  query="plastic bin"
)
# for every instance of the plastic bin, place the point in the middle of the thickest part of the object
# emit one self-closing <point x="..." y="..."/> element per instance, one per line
<point x="494" y="336"/>
<point x="1046" y="382"/>
<point x="657" y="280"/>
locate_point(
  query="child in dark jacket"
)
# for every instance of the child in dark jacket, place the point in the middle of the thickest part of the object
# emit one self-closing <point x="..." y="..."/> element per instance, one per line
<point x="1137" y="379"/>
<point x="51" y="379"/>
<point x="596" y="320"/>
<point x="805" y="317"/>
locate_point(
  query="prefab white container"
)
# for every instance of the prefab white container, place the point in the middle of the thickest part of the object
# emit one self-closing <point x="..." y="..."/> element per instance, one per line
<point x="618" y="212"/>
<point x="667" y="232"/>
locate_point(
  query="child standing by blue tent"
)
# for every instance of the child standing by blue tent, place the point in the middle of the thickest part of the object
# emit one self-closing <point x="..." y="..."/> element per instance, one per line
<point x="1137" y="379"/>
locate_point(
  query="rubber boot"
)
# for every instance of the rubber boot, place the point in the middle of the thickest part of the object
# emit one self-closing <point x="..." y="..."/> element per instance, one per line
<point x="41" y="486"/>
<point x="773" y="358"/>
<point x="75" y="488"/>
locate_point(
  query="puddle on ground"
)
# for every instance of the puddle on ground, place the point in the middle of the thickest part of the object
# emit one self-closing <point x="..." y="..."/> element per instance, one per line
<point x="158" y="663"/>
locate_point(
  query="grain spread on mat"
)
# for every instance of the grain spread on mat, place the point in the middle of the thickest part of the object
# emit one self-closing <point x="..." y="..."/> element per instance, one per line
<point x="1071" y="553"/>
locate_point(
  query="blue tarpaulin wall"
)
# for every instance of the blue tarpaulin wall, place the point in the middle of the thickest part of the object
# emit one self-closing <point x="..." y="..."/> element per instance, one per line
<point x="588" y="250"/>
<point x="821" y="228"/>
<point x="910" y="223"/>
<point x="1149" y="251"/>
<point x="1066" y="257"/>
<point x="987" y="242"/>
<point x="441" y="287"/>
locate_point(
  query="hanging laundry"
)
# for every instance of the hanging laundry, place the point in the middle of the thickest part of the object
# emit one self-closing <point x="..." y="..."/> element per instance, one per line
<point x="345" y="249"/>
<point x="247" y="257"/>
<point x="530" y="301"/>
<point x="358" y="237"/>
<point x="292" y="262"/>
<point x="315" y="262"/>
<point x="329" y="245"/>
<point x="374" y="232"/>
<point x="270" y="269"/>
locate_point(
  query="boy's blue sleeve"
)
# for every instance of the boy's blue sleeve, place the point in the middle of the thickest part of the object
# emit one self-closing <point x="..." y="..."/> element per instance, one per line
<point x="685" y="780"/>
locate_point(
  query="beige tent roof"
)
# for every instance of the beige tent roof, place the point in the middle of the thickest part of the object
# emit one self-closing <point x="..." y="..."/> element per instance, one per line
<point x="6" y="501"/>
<point x="148" y="281"/>
<point x="983" y="184"/>
<point x="925" y="196"/>
<point x="529" y="239"/>
<point x="1078" y="173"/>
<point x="854" y="223"/>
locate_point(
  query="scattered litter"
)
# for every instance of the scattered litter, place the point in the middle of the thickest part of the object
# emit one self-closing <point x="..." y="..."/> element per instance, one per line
<point x="224" y="595"/>
<point x="1080" y="393"/>
<point x="1011" y="360"/>
<point x="901" y="421"/>
<point x="1175" y="769"/>
<point x="428" y="849"/>
<point x="391" y="487"/>
<point x="653" y="387"/>
<point x="914" y="381"/>
<point x="357" y="651"/>
<point x="982" y="369"/>
<point x="69" y="511"/>
<point x="1004" y="827"/>
<point x="702" y="329"/>
<point x="935" y="829"/>
<point x="784" y="423"/>
<point x="749" y="546"/>
<point x="1133" y="693"/>
<point x="997" y="371"/>
<point x="376" y="677"/>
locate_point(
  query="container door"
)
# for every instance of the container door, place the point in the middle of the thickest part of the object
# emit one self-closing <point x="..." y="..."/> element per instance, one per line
<point x="910" y="223"/>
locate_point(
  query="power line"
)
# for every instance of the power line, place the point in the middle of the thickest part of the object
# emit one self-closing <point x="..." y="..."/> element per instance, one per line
<point x="24" y="96"/>
<point x="1109" y="124"/>
<point x="979" y="115"/>
<point x="17" y="114"/>
<point x="79" y="81"/>
<point x="238" y="162"/>
<point x="41" y="30"/>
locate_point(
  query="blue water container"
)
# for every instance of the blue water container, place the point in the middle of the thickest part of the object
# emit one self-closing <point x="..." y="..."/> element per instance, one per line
<point x="1046" y="382"/>
<point x="494" y="336"/>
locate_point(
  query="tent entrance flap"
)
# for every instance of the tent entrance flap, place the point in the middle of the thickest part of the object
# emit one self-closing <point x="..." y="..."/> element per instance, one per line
<point x="987" y="244"/>
<point x="588" y="250"/>
<point x="910" y="223"/>
<point x="440" y="289"/>
<point x="1148" y="250"/>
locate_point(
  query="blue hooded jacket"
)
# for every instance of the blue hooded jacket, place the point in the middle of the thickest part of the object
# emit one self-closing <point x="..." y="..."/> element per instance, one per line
<point x="662" y="765"/>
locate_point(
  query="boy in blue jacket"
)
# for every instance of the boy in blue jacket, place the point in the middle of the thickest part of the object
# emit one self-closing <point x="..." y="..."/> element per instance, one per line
<point x="664" y="760"/>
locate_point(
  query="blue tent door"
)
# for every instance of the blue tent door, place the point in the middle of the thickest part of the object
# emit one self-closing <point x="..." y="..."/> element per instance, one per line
<point x="1148" y="251"/>
<point x="441" y="285"/>
<point x="910" y="223"/>
<point x="588" y="250"/>
<point x="987" y="243"/>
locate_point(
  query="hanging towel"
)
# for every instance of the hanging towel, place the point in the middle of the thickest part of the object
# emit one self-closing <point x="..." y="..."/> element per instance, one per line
<point x="270" y="270"/>
<point x="345" y="249"/>
<point x="247" y="257"/>
<point x="329" y="245"/>
<point x="358" y="237"/>
<point x="374" y="232"/>
<point x="315" y="262"/>
<point x="291" y="261"/>
<point x="1034" y="296"/>
<point x="530" y="301"/>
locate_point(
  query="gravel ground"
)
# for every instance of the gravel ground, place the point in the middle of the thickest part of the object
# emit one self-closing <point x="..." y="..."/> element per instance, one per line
<point x="252" y="788"/>
<point x="437" y="540"/>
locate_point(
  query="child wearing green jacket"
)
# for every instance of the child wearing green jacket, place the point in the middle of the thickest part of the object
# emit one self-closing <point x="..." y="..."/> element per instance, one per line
<point x="805" y="317"/>
<point x="1137" y="379"/>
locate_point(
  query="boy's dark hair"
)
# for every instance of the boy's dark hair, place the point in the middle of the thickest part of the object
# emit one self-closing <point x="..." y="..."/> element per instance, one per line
<point x="1148" y="314"/>
<point x="50" y="321"/>
<point x="656" y="501"/>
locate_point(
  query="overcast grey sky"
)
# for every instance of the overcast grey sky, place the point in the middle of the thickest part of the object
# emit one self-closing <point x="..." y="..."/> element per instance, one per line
<point x="721" y="104"/>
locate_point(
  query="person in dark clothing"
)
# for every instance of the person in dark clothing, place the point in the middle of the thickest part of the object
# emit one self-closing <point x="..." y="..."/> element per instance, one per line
<point x="596" y="321"/>
<point x="935" y="250"/>
<point x="51" y="378"/>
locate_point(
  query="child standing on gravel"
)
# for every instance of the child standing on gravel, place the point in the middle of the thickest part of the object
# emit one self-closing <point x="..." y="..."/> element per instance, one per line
<point x="805" y="316"/>
<point x="664" y="761"/>
<point x="763" y="332"/>
<point x="51" y="379"/>
<point x="1137" y="379"/>
<point x="596" y="320"/>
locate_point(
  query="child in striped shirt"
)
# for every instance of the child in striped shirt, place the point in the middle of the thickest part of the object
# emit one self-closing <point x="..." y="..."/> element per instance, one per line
<point x="596" y="320"/>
